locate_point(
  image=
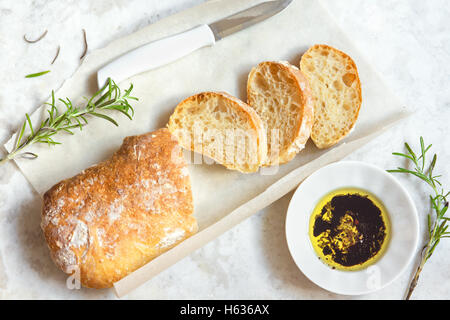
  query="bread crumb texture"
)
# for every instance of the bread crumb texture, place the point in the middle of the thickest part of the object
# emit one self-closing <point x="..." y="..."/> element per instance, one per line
<point x="222" y="128"/>
<point x="116" y="216"/>
<point x="281" y="96"/>
<point x="336" y="87"/>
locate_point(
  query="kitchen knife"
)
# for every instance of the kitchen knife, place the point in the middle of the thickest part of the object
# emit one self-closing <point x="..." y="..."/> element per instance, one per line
<point x="164" y="51"/>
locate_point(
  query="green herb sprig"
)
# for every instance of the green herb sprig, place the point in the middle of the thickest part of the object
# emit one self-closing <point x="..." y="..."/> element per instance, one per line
<point x="437" y="222"/>
<point x="110" y="97"/>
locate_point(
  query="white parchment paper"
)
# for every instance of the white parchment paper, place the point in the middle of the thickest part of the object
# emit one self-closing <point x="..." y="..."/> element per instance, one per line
<point x="222" y="197"/>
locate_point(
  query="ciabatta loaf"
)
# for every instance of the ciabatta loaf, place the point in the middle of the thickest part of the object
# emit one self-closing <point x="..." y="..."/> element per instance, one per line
<point x="281" y="96"/>
<point x="222" y="128"/>
<point x="114" y="217"/>
<point x="336" y="87"/>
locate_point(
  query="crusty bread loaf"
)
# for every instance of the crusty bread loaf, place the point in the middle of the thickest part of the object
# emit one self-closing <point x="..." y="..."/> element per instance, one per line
<point x="281" y="96"/>
<point x="118" y="215"/>
<point x="222" y="128"/>
<point x="336" y="87"/>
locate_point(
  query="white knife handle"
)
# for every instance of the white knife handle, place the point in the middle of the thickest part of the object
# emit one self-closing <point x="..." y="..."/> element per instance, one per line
<point x="156" y="54"/>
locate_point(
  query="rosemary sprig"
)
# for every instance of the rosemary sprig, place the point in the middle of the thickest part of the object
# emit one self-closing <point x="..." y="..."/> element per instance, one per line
<point x="437" y="223"/>
<point x="110" y="97"/>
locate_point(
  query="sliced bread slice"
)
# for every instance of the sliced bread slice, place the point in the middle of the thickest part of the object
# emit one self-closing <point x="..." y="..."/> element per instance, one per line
<point x="222" y="128"/>
<point x="281" y="96"/>
<point x="336" y="87"/>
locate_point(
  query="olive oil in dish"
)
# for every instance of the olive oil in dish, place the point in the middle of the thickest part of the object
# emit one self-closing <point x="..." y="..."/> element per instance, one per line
<point x="349" y="229"/>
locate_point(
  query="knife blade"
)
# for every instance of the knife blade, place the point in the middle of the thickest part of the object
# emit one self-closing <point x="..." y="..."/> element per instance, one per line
<point x="164" y="51"/>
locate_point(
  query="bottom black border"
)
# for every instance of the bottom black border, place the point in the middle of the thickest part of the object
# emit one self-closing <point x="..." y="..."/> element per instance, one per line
<point x="220" y="309"/>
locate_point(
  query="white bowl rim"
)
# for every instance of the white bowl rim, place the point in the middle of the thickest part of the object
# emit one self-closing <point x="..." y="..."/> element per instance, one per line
<point x="413" y="214"/>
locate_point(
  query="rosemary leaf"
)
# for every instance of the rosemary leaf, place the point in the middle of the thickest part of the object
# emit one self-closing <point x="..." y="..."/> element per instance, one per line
<point x="29" y="124"/>
<point x="57" y="54"/>
<point x="38" y="74"/>
<point x="85" y="44"/>
<point x="36" y="40"/>
<point x="22" y="131"/>
<point x="105" y="117"/>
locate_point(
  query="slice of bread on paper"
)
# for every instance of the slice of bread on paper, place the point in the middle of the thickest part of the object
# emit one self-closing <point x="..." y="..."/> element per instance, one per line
<point x="336" y="87"/>
<point x="281" y="96"/>
<point x="222" y="128"/>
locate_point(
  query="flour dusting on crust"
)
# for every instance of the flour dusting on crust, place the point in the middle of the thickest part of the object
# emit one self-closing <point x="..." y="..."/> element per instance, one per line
<point x="65" y="259"/>
<point x="172" y="237"/>
<point x="118" y="215"/>
<point x="80" y="235"/>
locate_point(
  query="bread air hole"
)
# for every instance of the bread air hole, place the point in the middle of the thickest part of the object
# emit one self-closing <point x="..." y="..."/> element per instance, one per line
<point x="193" y="109"/>
<point x="220" y="107"/>
<point x="337" y="85"/>
<point x="261" y="83"/>
<point x="348" y="79"/>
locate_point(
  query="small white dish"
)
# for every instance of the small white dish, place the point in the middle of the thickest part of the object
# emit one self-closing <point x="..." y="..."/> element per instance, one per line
<point x="402" y="215"/>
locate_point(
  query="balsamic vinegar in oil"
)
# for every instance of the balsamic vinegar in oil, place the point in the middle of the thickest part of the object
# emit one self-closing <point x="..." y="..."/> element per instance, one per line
<point x="349" y="229"/>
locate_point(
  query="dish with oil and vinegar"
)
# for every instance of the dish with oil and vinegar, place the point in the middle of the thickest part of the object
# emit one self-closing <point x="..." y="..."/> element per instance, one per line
<point x="351" y="228"/>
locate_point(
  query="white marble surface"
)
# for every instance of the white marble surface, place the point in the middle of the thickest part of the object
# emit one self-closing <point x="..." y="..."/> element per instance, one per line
<point x="407" y="41"/>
